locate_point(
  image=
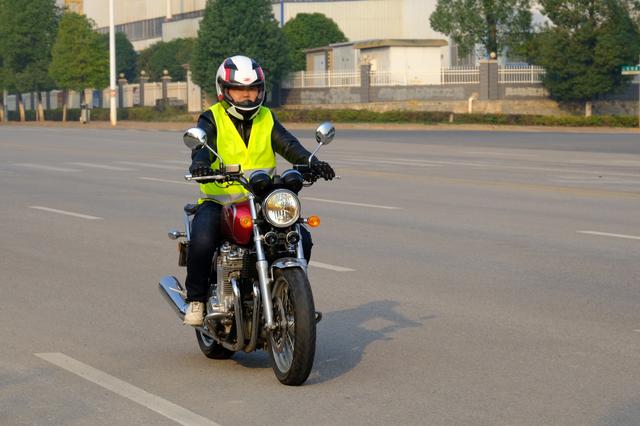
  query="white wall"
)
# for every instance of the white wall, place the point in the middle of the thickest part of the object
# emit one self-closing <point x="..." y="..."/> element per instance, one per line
<point x="137" y="10"/>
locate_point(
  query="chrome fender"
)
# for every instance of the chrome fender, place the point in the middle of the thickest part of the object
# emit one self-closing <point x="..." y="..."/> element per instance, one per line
<point x="288" y="262"/>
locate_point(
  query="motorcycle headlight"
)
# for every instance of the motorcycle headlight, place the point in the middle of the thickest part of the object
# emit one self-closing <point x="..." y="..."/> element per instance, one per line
<point x="281" y="208"/>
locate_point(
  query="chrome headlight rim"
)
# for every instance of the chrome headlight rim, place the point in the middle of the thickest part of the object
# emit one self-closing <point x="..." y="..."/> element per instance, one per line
<point x="266" y="210"/>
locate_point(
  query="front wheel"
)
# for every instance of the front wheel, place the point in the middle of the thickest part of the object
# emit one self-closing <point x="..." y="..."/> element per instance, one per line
<point x="212" y="349"/>
<point x="292" y="344"/>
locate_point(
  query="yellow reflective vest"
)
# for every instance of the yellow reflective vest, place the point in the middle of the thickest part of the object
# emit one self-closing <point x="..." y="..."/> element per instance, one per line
<point x="258" y="155"/>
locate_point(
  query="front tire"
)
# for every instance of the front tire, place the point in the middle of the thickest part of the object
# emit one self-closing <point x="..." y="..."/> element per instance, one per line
<point x="212" y="349"/>
<point x="292" y="345"/>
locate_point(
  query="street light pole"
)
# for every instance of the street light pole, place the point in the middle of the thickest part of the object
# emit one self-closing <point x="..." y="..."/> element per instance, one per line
<point x="281" y="13"/>
<point x="112" y="65"/>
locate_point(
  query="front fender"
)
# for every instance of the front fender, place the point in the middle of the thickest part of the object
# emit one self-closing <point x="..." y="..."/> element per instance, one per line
<point x="289" y="262"/>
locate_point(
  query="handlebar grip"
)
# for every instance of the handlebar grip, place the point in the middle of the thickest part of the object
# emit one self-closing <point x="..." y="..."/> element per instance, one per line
<point x="192" y="178"/>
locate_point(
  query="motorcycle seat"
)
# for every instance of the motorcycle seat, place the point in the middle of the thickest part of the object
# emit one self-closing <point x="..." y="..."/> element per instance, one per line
<point x="191" y="209"/>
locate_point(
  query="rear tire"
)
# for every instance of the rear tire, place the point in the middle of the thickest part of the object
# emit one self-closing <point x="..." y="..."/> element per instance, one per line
<point x="212" y="349"/>
<point x="292" y="345"/>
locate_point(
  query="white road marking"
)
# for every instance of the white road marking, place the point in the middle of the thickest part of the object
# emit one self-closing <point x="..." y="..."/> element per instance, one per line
<point x="185" y="163"/>
<point x="607" y="234"/>
<point x="153" y="402"/>
<point x="49" y="168"/>
<point x="399" y="163"/>
<point x="64" y="212"/>
<point x="330" y="267"/>
<point x="154" y="166"/>
<point x="348" y="203"/>
<point x="166" y="180"/>
<point x="103" y="166"/>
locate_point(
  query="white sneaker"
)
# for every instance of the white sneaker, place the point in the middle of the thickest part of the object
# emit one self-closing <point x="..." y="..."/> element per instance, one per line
<point x="195" y="314"/>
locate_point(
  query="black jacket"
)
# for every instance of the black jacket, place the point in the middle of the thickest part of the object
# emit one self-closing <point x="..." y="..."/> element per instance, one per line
<point x="282" y="142"/>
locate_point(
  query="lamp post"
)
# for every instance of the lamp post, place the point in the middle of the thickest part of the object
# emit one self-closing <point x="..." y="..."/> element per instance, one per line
<point x="112" y="65"/>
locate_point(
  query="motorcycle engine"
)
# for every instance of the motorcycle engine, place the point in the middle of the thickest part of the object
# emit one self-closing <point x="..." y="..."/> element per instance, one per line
<point x="228" y="266"/>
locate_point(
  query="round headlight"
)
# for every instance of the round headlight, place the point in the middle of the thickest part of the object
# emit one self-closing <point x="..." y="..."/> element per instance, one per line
<point x="281" y="208"/>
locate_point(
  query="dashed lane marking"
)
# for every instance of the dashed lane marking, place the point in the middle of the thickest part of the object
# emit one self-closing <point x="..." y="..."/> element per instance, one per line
<point x="166" y="181"/>
<point x="153" y="166"/>
<point x="47" y="168"/>
<point x="330" y="267"/>
<point x="66" y="213"/>
<point x="349" y="203"/>
<point x="102" y="166"/>
<point x="607" y="234"/>
<point x="153" y="402"/>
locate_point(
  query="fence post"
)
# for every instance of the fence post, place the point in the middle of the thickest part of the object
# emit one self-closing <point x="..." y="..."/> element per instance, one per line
<point x="302" y="79"/>
<point x="365" y="83"/>
<point x="143" y="79"/>
<point x="5" y="108"/>
<point x="489" y="78"/>
<point x="121" y="82"/>
<point x="166" y="78"/>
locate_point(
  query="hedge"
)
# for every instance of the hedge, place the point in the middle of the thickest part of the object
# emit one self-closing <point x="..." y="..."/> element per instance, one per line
<point x="173" y="114"/>
<point x="428" y="117"/>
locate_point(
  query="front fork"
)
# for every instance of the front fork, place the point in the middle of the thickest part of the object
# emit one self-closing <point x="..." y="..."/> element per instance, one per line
<point x="262" y="267"/>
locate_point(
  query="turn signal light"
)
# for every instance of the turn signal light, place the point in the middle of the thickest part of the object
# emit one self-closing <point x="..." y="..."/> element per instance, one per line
<point x="313" y="221"/>
<point x="246" y="222"/>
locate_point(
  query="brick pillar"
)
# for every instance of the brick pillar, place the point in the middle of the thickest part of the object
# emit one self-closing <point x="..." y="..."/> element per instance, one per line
<point x="365" y="83"/>
<point x="489" y="80"/>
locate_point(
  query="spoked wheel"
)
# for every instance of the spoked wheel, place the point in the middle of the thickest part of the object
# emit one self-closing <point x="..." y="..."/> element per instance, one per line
<point x="292" y="345"/>
<point x="212" y="349"/>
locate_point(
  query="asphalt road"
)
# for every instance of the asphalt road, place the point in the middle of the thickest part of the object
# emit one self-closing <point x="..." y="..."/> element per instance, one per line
<point x="493" y="280"/>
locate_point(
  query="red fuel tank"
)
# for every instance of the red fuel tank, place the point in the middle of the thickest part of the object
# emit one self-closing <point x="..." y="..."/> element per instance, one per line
<point x="232" y="215"/>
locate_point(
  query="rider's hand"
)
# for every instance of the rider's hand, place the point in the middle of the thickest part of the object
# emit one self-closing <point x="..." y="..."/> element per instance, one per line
<point x="200" y="168"/>
<point x="322" y="169"/>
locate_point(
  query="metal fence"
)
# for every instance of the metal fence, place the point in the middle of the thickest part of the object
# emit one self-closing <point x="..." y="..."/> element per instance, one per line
<point x="100" y="98"/>
<point x="446" y="76"/>
<point x="302" y="79"/>
<point x="529" y="74"/>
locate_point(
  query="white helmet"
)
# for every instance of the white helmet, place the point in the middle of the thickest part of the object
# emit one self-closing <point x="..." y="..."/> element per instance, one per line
<point x="240" y="71"/>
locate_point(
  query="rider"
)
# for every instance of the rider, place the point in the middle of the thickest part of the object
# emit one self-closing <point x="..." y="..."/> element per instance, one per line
<point x="242" y="131"/>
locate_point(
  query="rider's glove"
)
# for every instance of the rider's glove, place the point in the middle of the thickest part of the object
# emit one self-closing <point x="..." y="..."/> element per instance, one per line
<point x="201" y="168"/>
<point x="322" y="169"/>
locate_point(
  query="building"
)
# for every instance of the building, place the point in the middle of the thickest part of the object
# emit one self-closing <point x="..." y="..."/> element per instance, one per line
<point x="148" y="21"/>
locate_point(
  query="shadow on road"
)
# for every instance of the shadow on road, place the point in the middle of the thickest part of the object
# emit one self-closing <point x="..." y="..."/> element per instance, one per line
<point x="343" y="336"/>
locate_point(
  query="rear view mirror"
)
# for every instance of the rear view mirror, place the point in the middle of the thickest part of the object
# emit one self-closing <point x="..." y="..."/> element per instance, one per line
<point x="195" y="138"/>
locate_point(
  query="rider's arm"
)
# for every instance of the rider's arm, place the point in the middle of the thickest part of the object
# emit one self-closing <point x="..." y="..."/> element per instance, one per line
<point x="206" y="123"/>
<point x="287" y="145"/>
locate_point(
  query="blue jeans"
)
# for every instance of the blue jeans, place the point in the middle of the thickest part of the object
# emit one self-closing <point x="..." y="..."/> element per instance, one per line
<point x="205" y="238"/>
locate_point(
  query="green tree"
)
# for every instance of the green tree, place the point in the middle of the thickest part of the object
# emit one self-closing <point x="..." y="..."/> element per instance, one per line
<point x="495" y="24"/>
<point x="80" y="59"/>
<point x="170" y="55"/>
<point x="126" y="56"/>
<point x="239" y="27"/>
<point x="308" y="30"/>
<point x="584" y="47"/>
<point x="27" y="32"/>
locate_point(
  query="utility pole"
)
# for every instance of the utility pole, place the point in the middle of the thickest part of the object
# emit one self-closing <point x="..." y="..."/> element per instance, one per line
<point x="112" y="65"/>
<point x="281" y="13"/>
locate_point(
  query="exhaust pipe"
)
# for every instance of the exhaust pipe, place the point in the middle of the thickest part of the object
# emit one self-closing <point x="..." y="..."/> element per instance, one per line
<point x="174" y="294"/>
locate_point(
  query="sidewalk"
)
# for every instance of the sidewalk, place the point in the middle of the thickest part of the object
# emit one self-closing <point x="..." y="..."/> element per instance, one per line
<point x="181" y="126"/>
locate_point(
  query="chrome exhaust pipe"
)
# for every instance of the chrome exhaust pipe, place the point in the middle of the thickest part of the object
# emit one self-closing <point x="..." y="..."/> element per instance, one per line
<point x="174" y="294"/>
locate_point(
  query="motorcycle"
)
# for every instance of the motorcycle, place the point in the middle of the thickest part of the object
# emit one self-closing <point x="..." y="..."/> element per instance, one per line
<point x="259" y="296"/>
